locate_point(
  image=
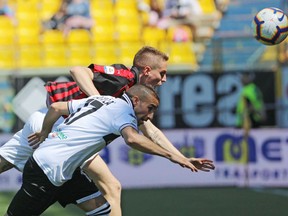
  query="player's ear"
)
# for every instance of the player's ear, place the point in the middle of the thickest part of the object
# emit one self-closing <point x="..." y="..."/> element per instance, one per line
<point x="146" y="70"/>
<point x="135" y="100"/>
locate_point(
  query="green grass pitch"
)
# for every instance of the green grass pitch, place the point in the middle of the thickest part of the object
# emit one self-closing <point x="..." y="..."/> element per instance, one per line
<point x="188" y="202"/>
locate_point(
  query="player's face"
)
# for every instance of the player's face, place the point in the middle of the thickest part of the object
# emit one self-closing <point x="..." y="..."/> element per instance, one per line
<point x="145" y="110"/>
<point x="154" y="76"/>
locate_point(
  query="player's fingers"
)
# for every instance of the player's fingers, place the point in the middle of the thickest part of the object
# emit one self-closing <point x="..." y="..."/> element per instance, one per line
<point x="209" y="165"/>
<point x="204" y="170"/>
<point x="190" y="166"/>
<point x="204" y="160"/>
<point x="35" y="146"/>
<point x="31" y="136"/>
<point x="32" y="143"/>
<point x="193" y="168"/>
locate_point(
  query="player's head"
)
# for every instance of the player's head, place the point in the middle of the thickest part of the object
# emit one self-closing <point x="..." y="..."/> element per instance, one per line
<point x="152" y="65"/>
<point x="145" y="101"/>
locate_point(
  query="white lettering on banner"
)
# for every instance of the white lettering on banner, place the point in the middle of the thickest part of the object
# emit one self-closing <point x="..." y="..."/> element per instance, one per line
<point x="254" y="174"/>
<point x="226" y="87"/>
<point x="198" y="91"/>
<point x="168" y="95"/>
<point x="197" y="95"/>
<point x="266" y="153"/>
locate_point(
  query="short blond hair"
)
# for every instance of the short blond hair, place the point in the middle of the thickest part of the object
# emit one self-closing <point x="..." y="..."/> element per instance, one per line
<point x="150" y="56"/>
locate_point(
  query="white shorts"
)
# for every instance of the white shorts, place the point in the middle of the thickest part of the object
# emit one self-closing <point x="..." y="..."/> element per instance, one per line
<point x="17" y="150"/>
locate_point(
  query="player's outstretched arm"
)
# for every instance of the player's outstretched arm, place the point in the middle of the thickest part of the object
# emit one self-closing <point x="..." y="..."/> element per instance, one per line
<point x="143" y="144"/>
<point x="56" y="110"/>
<point x="158" y="137"/>
<point x="83" y="76"/>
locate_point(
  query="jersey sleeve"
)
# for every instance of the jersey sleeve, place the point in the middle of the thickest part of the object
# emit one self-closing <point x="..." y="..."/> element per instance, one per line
<point x="63" y="91"/>
<point x="126" y="119"/>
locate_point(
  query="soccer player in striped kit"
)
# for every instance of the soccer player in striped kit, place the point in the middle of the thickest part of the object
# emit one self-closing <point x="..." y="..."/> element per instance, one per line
<point x="149" y="67"/>
<point x="92" y="123"/>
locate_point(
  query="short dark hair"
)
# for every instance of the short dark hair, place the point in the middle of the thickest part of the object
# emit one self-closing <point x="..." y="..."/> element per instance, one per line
<point x="143" y="91"/>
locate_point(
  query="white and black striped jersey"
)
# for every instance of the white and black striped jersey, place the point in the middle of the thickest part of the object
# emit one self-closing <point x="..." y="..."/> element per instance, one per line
<point x="92" y="124"/>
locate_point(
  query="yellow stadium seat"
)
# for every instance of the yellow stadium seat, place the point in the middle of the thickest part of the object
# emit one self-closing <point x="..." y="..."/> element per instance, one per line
<point x="80" y="55"/>
<point x="182" y="53"/>
<point x="208" y="6"/>
<point x="128" y="32"/>
<point x="100" y="5"/>
<point x="7" y="37"/>
<point x="12" y="3"/>
<point x="23" y="3"/>
<point x="6" y="22"/>
<point x="101" y="18"/>
<point x="29" y="57"/>
<point x="212" y="14"/>
<point x="129" y="20"/>
<point x="128" y="51"/>
<point x="79" y="36"/>
<point x="103" y="33"/>
<point x="25" y="13"/>
<point x="105" y="53"/>
<point x="270" y="54"/>
<point x="52" y="37"/>
<point x="126" y="12"/>
<point x="27" y="36"/>
<point x="7" y="57"/>
<point x="48" y="8"/>
<point x="102" y="10"/>
<point x="55" y="55"/>
<point x="7" y="31"/>
<point x="24" y="6"/>
<point x="153" y="35"/>
<point x="126" y="5"/>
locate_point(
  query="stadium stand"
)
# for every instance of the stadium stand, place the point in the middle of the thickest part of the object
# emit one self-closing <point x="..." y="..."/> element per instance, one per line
<point x="105" y="53"/>
<point x="153" y="36"/>
<point x="122" y="23"/>
<point x="7" y="31"/>
<point x="233" y="39"/>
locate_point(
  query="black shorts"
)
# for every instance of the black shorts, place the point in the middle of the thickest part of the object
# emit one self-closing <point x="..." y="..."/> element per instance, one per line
<point x="37" y="193"/>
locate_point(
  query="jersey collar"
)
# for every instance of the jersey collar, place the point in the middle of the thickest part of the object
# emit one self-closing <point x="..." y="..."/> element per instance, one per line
<point x="126" y="98"/>
<point x="136" y="72"/>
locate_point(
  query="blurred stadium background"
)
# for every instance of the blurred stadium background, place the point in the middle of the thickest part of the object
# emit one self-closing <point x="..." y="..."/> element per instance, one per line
<point x="197" y="103"/>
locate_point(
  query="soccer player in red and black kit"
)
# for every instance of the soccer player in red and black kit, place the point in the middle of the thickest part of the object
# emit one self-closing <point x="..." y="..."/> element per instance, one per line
<point x="149" y="67"/>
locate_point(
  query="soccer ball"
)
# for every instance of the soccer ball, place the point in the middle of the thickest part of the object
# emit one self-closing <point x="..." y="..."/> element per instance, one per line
<point x="270" y="26"/>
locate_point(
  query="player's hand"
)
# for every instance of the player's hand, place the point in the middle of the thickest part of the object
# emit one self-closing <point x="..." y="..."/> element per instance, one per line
<point x="202" y="164"/>
<point x="184" y="162"/>
<point x="36" y="139"/>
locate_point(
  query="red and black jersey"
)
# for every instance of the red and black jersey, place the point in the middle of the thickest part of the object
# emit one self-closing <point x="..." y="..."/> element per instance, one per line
<point x="108" y="80"/>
